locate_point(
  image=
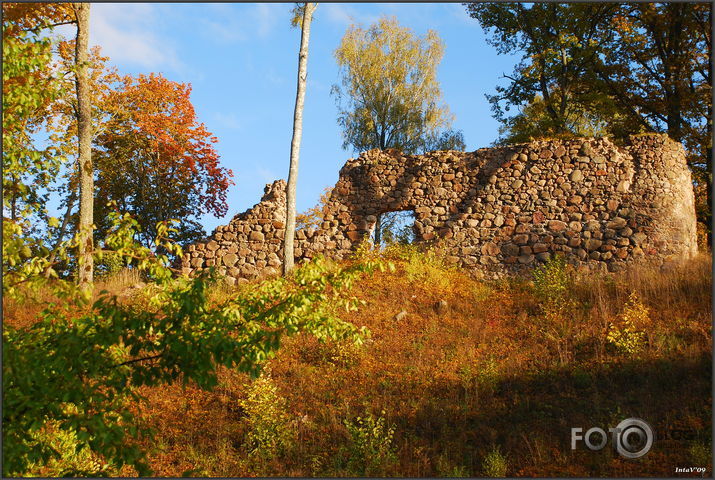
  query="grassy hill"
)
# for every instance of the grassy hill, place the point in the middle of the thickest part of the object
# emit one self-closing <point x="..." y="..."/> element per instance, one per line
<point x="462" y="377"/>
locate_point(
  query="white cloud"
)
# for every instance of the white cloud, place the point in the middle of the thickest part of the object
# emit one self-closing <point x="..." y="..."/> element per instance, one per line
<point x="266" y="175"/>
<point x="127" y="34"/>
<point x="227" y="120"/>
<point x="274" y="78"/>
<point x="240" y="23"/>
<point x="345" y="15"/>
<point x="266" y="16"/>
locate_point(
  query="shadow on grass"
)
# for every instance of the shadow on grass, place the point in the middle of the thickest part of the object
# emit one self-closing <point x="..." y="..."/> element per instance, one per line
<point x="530" y="417"/>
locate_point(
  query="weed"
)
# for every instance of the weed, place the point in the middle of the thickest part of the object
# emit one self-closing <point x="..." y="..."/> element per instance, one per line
<point x="270" y="431"/>
<point x="552" y="283"/>
<point x="371" y="451"/>
<point x="479" y="377"/>
<point x="494" y="464"/>
<point x="627" y="335"/>
<point x="447" y="469"/>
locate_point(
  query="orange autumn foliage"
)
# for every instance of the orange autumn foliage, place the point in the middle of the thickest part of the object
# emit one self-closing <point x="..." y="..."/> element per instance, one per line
<point x="156" y="159"/>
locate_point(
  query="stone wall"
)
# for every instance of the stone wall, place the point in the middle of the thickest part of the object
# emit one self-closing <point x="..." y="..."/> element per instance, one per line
<point x="495" y="210"/>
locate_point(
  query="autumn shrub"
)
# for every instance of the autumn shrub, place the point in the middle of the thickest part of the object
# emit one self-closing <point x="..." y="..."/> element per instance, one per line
<point x="552" y="285"/>
<point x="427" y="267"/>
<point x="370" y="452"/>
<point x="701" y="454"/>
<point x="73" y="458"/>
<point x="494" y="463"/>
<point x="627" y="334"/>
<point x="97" y="355"/>
<point x="270" y="429"/>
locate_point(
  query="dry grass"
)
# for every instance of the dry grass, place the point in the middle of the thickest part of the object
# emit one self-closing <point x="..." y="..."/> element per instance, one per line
<point x="490" y="370"/>
<point x="456" y="384"/>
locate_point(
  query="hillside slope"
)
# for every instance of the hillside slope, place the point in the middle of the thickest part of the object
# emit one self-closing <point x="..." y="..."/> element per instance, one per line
<point x="465" y="378"/>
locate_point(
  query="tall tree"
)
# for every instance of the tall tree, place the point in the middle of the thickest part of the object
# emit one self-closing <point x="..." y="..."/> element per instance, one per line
<point x="659" y="71"/>
<point x="638" y="67"/>
<point x="30" y="86"/>
<point x="84" y="137"/>
<point x="390" y="96"/>
<point x="63" y="127"/>
<point x="288" y="249"/>
<point x="157" y="161"/>
<point x="559" y="43"/>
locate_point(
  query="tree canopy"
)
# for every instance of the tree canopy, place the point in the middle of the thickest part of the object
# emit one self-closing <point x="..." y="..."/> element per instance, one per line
<point x="390" y="96"/>
<point x="156" y="160"/>
<point x="622" y="68"/>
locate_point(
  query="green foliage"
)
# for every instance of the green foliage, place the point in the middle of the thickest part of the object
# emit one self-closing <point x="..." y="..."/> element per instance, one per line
<point x="390" y="90"/>
<point x="494" y="464"/>
<point x="94" y="356"/>
<point x="74" y="458"/>
<point x="108" y="263"/>
<point x="27" y="91"/>
<point x="627" y="335"/>
<point x="397" y="228"/>
<point x="371" y="450"/>
<point x="533" y="122"/>
<point x="552" y="282"/>
<point x="269" y="424"/>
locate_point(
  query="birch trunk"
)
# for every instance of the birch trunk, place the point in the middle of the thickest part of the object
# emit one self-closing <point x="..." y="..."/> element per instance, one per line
<point x="84" y="134"/>
<point x="288" y="242"/>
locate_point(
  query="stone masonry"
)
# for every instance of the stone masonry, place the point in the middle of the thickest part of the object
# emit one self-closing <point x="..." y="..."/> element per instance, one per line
<point x="495" y="210"/>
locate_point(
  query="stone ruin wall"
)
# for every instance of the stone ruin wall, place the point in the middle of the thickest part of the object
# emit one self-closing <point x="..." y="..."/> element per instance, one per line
<point x="495" y="210"/>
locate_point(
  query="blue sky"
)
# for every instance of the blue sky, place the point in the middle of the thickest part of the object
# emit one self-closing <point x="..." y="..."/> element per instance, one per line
<point x="241" y="60"/>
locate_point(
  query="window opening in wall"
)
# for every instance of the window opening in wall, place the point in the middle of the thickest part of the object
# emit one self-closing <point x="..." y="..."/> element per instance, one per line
<point x="394" y="228"/>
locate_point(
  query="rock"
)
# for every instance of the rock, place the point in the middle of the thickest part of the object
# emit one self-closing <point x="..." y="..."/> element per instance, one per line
<point x="592" y="244"/>
<point x="510" y="249"/>
<point x="521" y="239"/>
<point x="256" y="236"/>
<point x="442" y="307"/>
<point x="623" y="186"/>
<point x="617" y="223"/>
<point x="576" y="176"/>
<point x="524" y="259"/>
<point x="229" y="259"/>
<point x="556" y="225"/>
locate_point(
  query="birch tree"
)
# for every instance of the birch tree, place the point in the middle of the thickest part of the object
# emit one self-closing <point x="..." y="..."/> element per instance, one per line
<point x="304" y="16"/>
<point x="84" y="134"/>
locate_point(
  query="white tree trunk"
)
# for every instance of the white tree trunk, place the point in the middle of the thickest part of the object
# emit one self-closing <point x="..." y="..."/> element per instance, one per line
<point x="288" y="248"/>
<point x="84" y="134"/>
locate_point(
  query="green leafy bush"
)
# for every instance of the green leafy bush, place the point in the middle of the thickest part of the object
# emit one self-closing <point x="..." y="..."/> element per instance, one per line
<point x="552" y="282"/>
<point x="371" y="450"/>
<point x="95" y="355"/>
<point x="494" y="464"/>
<point x="269" y="424"/>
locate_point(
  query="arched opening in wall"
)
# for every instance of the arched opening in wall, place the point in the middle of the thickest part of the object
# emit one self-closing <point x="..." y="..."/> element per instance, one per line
<point x="394" y="228"/>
